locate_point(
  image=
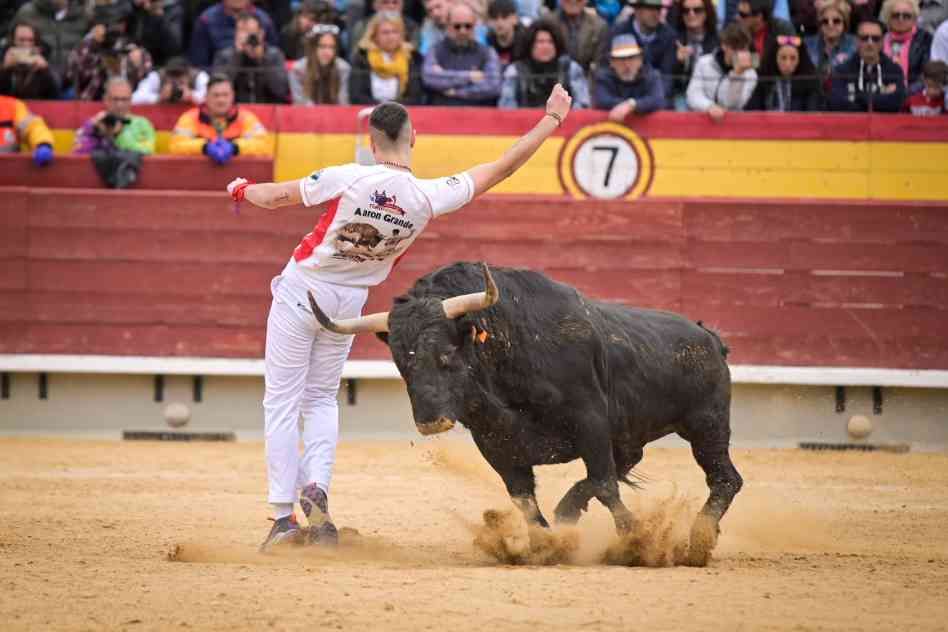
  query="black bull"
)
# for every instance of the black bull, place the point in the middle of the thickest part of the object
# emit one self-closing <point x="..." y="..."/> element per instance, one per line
<point x="540" y="374"/>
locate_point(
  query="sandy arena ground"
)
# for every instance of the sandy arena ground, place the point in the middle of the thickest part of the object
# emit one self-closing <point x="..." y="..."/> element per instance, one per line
<point x="140" y="536"/>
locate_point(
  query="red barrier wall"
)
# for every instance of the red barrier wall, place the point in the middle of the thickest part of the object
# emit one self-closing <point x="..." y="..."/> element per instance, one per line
<point x="178" y="273"/>
<point x="197" y="173"/>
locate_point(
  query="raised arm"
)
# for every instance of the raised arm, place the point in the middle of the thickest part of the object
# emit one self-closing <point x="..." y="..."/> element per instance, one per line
<point x="266" y="194"/>
<point x="487" y="175"/>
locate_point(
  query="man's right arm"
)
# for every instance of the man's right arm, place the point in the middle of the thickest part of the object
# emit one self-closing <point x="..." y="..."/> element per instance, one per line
<point x="487" y="175"/>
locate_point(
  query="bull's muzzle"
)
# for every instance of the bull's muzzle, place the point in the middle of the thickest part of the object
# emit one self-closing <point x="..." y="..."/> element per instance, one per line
<point x="442" y="424"/>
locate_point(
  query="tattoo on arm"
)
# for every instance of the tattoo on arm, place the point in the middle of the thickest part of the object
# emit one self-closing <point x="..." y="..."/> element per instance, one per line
<point x="283" y="197"/>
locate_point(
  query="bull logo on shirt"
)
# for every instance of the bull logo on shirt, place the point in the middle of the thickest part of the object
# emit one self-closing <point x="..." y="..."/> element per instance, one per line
<point x="363" y="242"/>
<point x="383" y="202"/>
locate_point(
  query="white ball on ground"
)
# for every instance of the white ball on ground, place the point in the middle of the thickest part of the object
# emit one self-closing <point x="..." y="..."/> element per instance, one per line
<point x="177" y="414"/>
<point x="859" y="427"/>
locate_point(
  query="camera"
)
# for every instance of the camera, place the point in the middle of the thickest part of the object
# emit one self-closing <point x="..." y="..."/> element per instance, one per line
<point x="110" y="120"/>
<point x="253" y="40"/>
<point x="23" y="56"/>
<point x="176" y="94"/>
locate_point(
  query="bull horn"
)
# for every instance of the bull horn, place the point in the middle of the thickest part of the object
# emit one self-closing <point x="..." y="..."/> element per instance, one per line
<point x="460" y="305"/>
<point x="372" y="323"/>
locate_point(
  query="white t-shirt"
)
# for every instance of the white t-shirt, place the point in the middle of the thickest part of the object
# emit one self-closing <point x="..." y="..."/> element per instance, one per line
<point x="373" y="213"/>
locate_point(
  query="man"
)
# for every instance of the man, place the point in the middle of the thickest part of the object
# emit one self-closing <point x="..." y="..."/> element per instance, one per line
<point x="106" y="51"/>
<point x="257" y="70"/>
<point x="215" y="28"/>
<point x="116" y="126"/>
<point x="756" y="17"/>
<point x="725" y="79"/>
<point x="20" y="127"/>
<point x="506" y="32"/>
<point x="177" y="82"/>
<point x="657" y="38"/>
<point x="62" y="23"/>
<point x="870" y="81"/>
<point x="931" y="100"/>
<point x="627" y="85"/>
<point x="337" y="264"/>
<point x="26" y="73"/>
<point x="586" y="32"/>
<point x="219" y="129"/>
<point x="460" y="70"/>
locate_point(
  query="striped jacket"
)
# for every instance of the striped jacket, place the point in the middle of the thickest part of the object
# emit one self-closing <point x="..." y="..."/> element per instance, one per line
<point x="19" y="126"/>
<point x="196" y="127"/>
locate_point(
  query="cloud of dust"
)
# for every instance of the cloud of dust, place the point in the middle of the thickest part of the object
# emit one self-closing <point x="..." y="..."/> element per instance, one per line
<point x="506" y="537"/>
<point x="353" y="547"/>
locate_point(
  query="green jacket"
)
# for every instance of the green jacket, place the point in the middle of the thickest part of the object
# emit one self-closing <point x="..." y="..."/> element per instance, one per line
<point x="138" y="135"/>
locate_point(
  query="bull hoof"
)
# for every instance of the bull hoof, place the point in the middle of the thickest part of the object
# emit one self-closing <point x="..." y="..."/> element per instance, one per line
<point x="443" y="424"/>
<point x="704" y="537"/>
<point x="567" y="518"/>
<point x="624" y="524"/>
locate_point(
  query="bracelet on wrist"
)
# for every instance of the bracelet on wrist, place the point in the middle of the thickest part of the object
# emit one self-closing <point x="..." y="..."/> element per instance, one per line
<point x="556" y="117"/>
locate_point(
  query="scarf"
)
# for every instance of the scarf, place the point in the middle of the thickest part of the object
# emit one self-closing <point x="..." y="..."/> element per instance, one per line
<point x="904" y="42"/>
<point x="539" y="82"/>
<point x="395" y="66"/>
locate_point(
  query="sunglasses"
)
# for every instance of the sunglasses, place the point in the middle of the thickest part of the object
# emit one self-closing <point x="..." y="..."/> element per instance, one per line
<point x="902" y="16"/>
<point x="833" y="21"/>
<point x="749" y="14"/>
<point x="322" y="29"/>
<point x="788" y="40"/>
<point x="693" y="10"/>
<point x="462" y="26"/>
<point x="875" y="39"/>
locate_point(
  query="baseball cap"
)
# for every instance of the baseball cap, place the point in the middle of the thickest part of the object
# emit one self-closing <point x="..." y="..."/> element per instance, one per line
<point x="625" y="46"/>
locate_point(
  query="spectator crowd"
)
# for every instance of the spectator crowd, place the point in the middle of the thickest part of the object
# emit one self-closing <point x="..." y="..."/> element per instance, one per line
<point x="633" y="59"/>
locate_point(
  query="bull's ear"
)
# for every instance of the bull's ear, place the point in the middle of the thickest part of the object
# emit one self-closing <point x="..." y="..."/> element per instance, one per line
<point x="383" y="336"/>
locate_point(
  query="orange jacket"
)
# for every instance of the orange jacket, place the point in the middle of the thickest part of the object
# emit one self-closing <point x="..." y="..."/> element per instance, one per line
<point x="195" y="128"/>
<point x="18" y="126"/>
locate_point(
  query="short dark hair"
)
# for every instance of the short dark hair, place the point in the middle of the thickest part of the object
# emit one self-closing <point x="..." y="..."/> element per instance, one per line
<point x="217" y="78"/>
<point x="389" y="118"/>
<point x="935" y="70"/>
<point x="247" y="16"/>
<point x="871" y="21"/>
<point x="500" y="9"/>
<point x="735" y="36"/>
<point x="760" y="7"/>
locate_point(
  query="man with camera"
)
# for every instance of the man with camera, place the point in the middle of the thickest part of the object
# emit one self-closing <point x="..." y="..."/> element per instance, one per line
<point x="257" y="70"/>
<point x="116" y="126"/>
<point x="25" y="73"/>
<point x="106" y="51"/>
<point x="177" y="82"/>
<point x="19" y="126"/>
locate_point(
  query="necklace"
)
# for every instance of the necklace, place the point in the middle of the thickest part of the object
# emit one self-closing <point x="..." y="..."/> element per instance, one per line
<point x="395" y="164"/>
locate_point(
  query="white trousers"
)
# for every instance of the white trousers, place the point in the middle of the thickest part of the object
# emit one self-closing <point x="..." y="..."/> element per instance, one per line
<point x="303" y="368"/>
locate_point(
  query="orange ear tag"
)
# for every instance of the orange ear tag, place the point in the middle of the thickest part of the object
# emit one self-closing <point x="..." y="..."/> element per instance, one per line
<point x="482" y="337"/>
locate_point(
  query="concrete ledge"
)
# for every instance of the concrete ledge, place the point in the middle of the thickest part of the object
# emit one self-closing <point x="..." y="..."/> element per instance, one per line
<point x="384" y="369"/>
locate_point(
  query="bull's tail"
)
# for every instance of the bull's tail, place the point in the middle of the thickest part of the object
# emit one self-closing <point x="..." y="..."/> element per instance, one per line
<point x="638" y="483"/>
<point x="723" y="348"/>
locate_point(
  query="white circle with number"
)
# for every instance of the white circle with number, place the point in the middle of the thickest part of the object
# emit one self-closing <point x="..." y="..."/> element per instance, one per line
<point x="606" y="166"/>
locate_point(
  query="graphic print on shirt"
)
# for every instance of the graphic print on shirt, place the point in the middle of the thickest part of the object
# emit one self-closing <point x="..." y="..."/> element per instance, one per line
<point x="364" y="240"/>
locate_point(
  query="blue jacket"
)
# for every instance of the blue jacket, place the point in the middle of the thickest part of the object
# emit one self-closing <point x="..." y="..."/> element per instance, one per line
<point x="660" y="53"/>
<point x="846" y="95"/>
<point x="647" y="90"/>
<point x="214" y="31"/>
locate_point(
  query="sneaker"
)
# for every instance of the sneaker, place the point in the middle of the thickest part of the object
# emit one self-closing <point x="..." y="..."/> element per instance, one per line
<point x="285" y="530"/>
<point x="315" y="506"/>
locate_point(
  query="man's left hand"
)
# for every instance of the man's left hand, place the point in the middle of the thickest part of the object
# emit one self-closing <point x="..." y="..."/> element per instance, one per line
<point x="619" y="112"/>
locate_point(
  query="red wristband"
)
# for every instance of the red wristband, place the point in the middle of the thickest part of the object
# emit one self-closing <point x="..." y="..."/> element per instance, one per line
<point x="239" y="192"/>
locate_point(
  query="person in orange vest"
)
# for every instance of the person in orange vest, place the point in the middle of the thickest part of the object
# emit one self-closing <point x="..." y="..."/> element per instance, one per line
<point x="219" y="128"/>
<point x="18" y="126"/>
